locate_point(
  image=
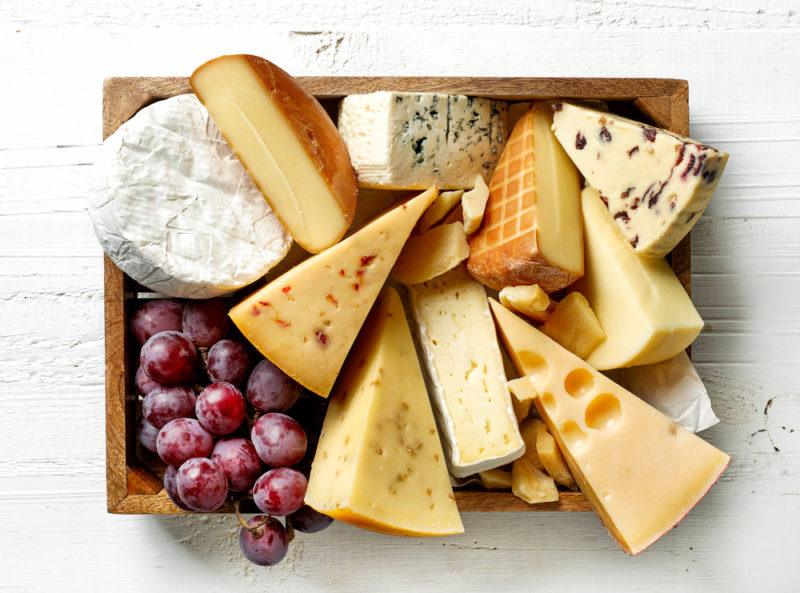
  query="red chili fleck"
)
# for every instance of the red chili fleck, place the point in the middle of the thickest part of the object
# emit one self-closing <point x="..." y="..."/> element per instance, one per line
<point x="360" y="273"/>
<point x="256" y="311"/>
<point x="367" y="259"/>
<point x="356" y="286"/>
<point x="283" y="323"/>
<point x="264" y="303"/>
<point x="332" y="299"/>
<point x="341" y="272"/>
<point x="322" y="337"/>
<point x="286" y="289"/>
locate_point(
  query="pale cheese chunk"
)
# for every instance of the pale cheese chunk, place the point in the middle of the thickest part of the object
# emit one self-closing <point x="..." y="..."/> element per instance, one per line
<point x="641" y="472"/>
<point x="473" y="205"/>
<point x="439" y="209"/>
<point x="655" y="184"/>
<point x="643" y="309"/>
<point x="465" y="371"/>
<point x="306" y="320"/>
<point x="379" y="463"/>
<point x="431" y="254"/>
<point x="529" y="300"/>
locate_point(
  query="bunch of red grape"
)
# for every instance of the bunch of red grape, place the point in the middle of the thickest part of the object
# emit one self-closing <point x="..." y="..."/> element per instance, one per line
<point x="217" y="442"/>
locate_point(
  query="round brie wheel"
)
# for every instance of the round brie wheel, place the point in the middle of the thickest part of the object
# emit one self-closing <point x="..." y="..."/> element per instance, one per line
<point x="173" y="207"/>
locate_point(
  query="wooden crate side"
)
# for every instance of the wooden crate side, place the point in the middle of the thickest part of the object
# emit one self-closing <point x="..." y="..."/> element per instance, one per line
<point x="132" y="487"/>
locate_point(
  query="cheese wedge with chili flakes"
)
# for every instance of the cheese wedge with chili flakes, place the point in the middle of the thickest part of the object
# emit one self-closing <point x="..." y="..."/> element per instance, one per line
<point x="306" y="320"/>
<point x="379" y="463"/>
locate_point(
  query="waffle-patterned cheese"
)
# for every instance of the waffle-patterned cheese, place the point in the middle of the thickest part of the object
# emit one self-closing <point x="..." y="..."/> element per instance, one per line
<point x="532" y="231"/>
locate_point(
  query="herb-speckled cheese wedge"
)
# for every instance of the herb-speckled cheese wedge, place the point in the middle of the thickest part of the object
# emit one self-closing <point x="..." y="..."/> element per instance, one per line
<point x="656" y="184"/>
<point x="379" y="463"/>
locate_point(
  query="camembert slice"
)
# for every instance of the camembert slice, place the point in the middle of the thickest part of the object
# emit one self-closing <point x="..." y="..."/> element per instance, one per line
<point x="465" y="370"/>
<point x="379" y="463"/>
<point x="641" y="472"/>
<point x="306" y="320"/>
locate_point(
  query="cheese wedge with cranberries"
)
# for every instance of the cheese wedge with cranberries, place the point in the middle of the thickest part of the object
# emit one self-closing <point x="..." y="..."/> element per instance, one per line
<point x="306" y="320"/>
<point x="379" y="463"/>
<point x="641" y="471"/>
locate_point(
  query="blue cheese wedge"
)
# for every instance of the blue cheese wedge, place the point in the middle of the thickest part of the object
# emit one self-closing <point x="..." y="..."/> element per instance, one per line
<point x="415" y="140"/>
<point x="656" y="184"/>
<point x="465" y="373"/>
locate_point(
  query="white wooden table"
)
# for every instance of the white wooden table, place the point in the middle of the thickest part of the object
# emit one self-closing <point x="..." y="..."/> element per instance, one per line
<point x="741" y="62"/>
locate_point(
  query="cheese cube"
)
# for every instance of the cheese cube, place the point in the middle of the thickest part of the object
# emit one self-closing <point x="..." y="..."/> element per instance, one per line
<point x="495" y="479"/>
<point x="431" y="254"/>
<point x="574" y="325"/>
<point x="286" y="141"/>
<point x="439" y="209"/>
<point x="551" y="457"/>
<point x="465" y="371"/>
<point x="641" y="472"/>
<point x="655" y="184"/>
<point x="531" y="232"/>
<point x="531" y="301"/>
<point x="643" y="309"/>
<point x="306" y="320"/>
<point x="379" y="463"/>
<point x="531" y="484"/>
<point x="473" y="204"/>
<point x="414" y="140"/>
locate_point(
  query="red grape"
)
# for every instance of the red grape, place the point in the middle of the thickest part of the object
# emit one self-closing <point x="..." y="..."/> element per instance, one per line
<point x="269" y="389"/>
<point x="167" y="403"/>
<point x="144" y="384"/>
<point x="280" y="491"/>
<point x="279" y="439"/>
<point x="202" y="484"/>
<point x="147" y="434"/>
<point x="308" y="520"/>
<point x="240" y="462"/>
<point x="206" y="322"/>
<point x="263" y="541"/>
<point x="156" y="316"/>
<point x="168" y="358"/>
<point x="228" y="361"/>
<point x="182" y="439"/>
<point x="171" y="486"/>
<point x="220" y="408"/>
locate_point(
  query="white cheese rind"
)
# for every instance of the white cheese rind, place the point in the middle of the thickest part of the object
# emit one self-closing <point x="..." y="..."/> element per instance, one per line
<point x="415" y="140"/>
<point x="656" y="184"/>
<point x="176" y="211"/>
<point x="465" y="373"/>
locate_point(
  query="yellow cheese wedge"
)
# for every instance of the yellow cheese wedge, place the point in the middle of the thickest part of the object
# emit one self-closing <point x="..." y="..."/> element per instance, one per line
<point x="287" y="143"/>
<point x="531" y="301"/>
<point x="379" y="463"/>
<point x="431" y="254"/>
<point x="473" y="203"/>
<point x="645" y="312"/>
<point x="306" y="320"/>
<point x="641" y="472"/>
<point x="446" y="201"/>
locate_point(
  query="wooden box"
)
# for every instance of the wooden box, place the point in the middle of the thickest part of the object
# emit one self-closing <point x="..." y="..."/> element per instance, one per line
<point x="134" y="483"/>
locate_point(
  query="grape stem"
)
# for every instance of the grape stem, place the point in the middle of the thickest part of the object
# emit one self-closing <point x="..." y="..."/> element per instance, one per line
<point x="256" y="529"/>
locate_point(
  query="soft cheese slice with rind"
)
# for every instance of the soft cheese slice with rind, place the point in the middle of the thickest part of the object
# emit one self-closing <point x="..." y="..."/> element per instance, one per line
<point x="656" y="184"/>
<point x="641" y="472"/>
<point x="286" y="141"/>
<point x="379" y="463"/>
<point x="306" y="320"/>
<point x="175" y="209"/>
<point x="465" y="371"/>
<point x="641" y="305"/>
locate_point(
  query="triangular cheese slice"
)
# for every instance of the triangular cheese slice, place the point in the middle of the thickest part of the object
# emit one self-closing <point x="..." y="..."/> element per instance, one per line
<point x="306" y="320"/>
<point x="641" y="472"/>
<point x="379" y="463"/>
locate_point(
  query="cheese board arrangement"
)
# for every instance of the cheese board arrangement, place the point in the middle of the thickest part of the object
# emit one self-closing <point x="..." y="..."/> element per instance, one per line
<point x="386" y="301"/>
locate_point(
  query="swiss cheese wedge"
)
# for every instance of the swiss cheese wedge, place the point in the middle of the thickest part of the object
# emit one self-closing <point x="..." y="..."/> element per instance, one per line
<point x="286" y="141"/>
<point x="379" y="463"/>
<point x="306" y="320"/>
<point x="641" y="472"/>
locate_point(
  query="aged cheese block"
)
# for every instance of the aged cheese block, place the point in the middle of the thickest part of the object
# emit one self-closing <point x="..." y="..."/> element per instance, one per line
<point x="175" y="210"/>
<point x="379" y="463"/>
<point x="656" y="184"/>
<point x="640" y="303"/>
<point x="287" y="143"/>
<point x="306" y="320"/>
<point x="641" y="472"/>
<point x="531" y="231"/>
<point x="415" y="140"/>
<point x="465" y="372"/>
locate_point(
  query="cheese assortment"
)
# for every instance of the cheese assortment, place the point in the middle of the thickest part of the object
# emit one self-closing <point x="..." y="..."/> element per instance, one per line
<point x="202" y="195"/>
<point x="641" y="471"/>
<point x="654" y="183"/>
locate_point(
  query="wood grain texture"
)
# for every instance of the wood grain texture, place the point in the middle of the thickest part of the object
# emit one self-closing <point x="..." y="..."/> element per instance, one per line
<point x="123" y="97"/>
